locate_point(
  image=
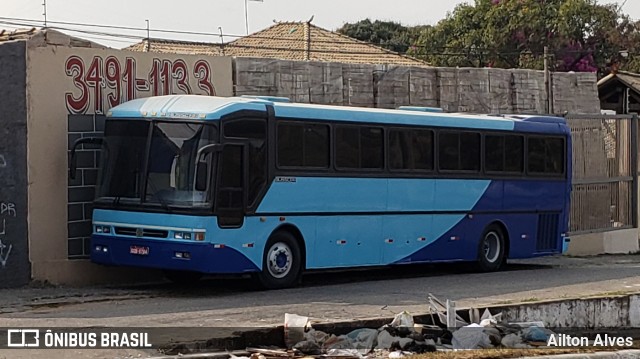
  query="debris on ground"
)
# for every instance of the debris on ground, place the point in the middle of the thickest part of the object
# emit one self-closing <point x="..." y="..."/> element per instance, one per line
<point x="403" y="337"/>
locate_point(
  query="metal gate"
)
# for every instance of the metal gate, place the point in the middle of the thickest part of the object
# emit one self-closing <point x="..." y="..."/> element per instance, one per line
<point x="605" y="172"/>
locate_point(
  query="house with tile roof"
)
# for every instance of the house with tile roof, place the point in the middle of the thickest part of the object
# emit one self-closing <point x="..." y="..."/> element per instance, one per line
<point x="298" y="41"/>
<point x="620" y="92"/>
<point x="46" y="36"/>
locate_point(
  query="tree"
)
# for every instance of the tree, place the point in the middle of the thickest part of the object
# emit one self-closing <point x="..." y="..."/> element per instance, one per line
<point x="580" y="34"/>
<point x="387" y="34"/>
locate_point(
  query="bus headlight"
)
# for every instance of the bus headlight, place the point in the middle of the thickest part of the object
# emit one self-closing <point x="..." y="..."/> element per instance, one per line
<point x="103" y="229"/>
<point x="198" y="236"/>
<point x="181" y="235"/>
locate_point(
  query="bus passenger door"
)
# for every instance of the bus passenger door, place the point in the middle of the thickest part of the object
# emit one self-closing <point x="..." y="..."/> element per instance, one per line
<point x="231" y="196"/>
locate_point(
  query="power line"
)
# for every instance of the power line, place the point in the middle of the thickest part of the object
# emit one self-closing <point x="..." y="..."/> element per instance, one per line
<point x="36" y="23"/>
<point x="112" y="36"/>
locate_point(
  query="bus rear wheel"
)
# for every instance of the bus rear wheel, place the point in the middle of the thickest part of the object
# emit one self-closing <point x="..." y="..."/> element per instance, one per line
<point x="491" y="250"/>
<point x="281" y="262"/>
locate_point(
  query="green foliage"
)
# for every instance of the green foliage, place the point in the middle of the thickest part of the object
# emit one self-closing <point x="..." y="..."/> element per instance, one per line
<point x="581" y="35"/>
<point x="387" y="34"/>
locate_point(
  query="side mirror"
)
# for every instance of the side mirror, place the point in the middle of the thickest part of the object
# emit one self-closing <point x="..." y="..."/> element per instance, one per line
<point x="72" y="160"/>
<point x="202" y="167"/>
<point x="202" y="172"/>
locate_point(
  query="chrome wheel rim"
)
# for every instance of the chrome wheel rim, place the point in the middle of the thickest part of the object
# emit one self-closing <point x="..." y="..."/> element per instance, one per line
<point x="491" y="247"/>
<point x="279" y="260"/>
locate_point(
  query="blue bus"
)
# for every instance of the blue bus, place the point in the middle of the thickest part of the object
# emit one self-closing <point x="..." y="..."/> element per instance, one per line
<point x="195" y="185"/>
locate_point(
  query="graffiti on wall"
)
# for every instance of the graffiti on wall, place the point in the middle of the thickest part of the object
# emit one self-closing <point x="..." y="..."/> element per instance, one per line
<point x="7" y="211"/>
<point x="3" y="162"/>
<point x="106" y="82"/>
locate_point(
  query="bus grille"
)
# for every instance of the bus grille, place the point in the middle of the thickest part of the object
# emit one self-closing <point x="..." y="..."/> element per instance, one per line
<point x="141" y="232"/>
<point x="548" y="232"/>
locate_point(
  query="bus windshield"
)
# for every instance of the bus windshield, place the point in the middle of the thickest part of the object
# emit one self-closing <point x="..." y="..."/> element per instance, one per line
<point x="164" y="170"/>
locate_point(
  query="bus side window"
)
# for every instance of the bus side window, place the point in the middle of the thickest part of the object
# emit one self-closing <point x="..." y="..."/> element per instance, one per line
<point x="347" y="147"/>
<point x="504" y="153"/>
<point x="303" y="145"/>
<point x="359" y="147"/>
<point x="459" y="151"/>
<point x="470" y="151"/>
<point x="514" y="154"/>
<point x="411" y="149"/>
<point x="494" y="153"/>
<point x="546" y="155"/>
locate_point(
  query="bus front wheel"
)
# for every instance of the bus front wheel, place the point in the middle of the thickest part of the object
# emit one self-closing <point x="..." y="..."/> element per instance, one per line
<point x="491" y="251"/>
<point x="281" y="262"/>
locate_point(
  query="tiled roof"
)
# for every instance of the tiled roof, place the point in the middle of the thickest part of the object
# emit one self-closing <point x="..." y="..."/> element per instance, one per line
<point x="289" y="41"/>
<point x="46" y="36"/>
<point x="18" y="34"/>
<point x="177" y="47"/>
<point x="630" y="79"/>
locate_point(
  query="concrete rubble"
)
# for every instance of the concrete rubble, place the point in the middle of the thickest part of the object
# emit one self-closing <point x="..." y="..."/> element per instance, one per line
<point x="402" y="336"/>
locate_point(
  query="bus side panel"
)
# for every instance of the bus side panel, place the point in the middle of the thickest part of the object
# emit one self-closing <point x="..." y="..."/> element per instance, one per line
<point x="543" y="199"/>
<point x="461" y="241"/>
<point x="458" y="194"/>
<point x="325" y="195"/>
<point x="223" y="250"/>
<point x="405" y="234"/>
<point x="348" y="241"/>
<point x="457" y="237"/>
<point x="534" y="196"/>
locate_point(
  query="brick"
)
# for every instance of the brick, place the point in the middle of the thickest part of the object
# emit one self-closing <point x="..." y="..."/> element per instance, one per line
<point x="81" y="194"/>
<point x="75" y="247"/>
<point x="81" y="123"/>
<point x="79" y="229"/>
<point x="75" y="212"/>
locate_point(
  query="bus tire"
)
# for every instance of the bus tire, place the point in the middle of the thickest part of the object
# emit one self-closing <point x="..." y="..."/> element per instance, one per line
<point x="281" y="262"/>
<point x="491" y="249"/>
<point x="182" y="277"/>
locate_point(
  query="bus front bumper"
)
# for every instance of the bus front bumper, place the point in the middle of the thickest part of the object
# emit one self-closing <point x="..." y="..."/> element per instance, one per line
<point x="163" y="254"/>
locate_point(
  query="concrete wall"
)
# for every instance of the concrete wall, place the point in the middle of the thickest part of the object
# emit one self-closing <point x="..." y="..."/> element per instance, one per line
<point x="14" y="250"/>
<point x="605" y="312"/>
<point x="68" y="91"/>
<point x="386" y="86"/>
<point x="621" y="241"/>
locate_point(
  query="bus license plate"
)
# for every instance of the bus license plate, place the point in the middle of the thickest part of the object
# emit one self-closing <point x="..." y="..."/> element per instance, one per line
<point x="141" y="251"/>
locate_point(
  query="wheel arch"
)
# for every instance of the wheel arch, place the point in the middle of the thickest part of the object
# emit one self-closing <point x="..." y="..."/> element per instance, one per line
<point x="297" y="234"/>
<point x="505" y="232"/>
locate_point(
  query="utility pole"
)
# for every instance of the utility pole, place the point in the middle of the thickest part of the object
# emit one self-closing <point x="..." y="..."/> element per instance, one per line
<point x="148" y="37"/>
<point x="44" y="13"/>
<point x="221" y="40"/>
<point x="246" y="14"/>
<point x="547" y="80"/>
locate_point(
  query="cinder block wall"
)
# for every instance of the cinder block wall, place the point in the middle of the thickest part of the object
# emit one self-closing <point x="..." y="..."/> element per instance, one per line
<point x="386" y="86"/>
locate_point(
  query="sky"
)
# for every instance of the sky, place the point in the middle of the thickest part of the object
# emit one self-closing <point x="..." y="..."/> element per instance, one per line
<point x="211" y="16"/>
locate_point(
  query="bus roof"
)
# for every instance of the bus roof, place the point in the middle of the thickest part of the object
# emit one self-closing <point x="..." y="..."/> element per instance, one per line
<point x="213" y="108"/>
